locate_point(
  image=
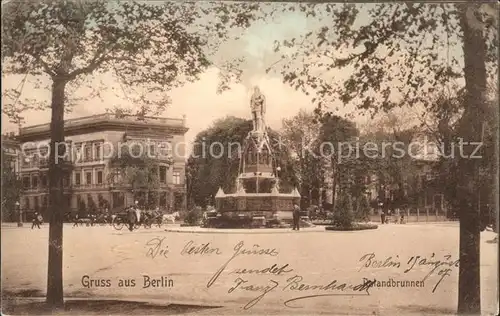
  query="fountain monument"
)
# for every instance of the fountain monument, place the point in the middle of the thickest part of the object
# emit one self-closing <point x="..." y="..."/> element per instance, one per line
<point x="257" y="199"/>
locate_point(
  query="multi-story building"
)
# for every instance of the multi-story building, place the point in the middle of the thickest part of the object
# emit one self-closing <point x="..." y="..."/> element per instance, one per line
<point x="93" y="145"/>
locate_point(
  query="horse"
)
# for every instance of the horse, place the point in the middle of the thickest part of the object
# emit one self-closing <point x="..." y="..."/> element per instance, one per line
<point x="170" y="217"/>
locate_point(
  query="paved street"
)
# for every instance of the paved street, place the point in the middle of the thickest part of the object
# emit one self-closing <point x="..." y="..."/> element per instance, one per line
<point x="312" y="258"/>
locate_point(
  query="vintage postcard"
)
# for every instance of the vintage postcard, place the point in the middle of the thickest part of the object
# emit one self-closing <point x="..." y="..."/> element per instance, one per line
<point x="249" y="158"/>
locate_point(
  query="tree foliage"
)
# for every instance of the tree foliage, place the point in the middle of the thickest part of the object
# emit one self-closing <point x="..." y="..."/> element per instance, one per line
<point x="300" y="134"/>
<point x="344" y="215"/>
<point x="420" y="42"/>
<point x="148" y="47"/>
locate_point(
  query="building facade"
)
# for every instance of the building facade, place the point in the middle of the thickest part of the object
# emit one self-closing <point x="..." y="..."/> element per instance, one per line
<point x="93" y="145"/>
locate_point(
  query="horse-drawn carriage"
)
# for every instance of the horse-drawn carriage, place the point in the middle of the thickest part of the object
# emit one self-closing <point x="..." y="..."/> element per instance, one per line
<point x="138" y="218"/>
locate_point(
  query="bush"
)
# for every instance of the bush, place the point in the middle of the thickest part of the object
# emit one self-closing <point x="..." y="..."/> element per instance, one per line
<point x="343" y="216"/>
<point x="354" y="226"/>
<point x="363" y="210"/>
<point x="193" y="217"/>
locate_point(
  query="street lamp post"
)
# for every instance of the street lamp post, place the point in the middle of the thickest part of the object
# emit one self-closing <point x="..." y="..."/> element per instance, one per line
<point x="20" y="219"/>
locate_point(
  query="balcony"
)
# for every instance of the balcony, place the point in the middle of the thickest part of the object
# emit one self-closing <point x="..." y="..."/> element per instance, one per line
<point x="42" y="189"/>
<point x="90" y="186"/>
<point x="66" y="164"/>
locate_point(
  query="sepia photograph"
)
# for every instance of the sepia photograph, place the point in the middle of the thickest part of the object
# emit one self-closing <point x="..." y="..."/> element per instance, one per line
<point x="249" y="158"/>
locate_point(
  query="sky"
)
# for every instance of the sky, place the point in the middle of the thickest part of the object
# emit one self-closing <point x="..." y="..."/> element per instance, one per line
<point x="199" y="101"/>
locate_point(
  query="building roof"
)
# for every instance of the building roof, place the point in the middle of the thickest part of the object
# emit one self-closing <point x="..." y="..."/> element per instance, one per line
<point x="107" y="122"/>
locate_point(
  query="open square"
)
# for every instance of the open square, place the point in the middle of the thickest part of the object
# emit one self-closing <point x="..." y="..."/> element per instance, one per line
<point x="102" y="253"/>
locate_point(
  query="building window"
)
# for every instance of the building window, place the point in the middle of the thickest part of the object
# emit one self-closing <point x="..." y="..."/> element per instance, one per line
<point x="99" y="177"/>
<point x="27" y="203"/>
<point x="163" y="174"/>
<point x="89" y="199"/>
<point x="165" y="149"/>
<point x="116" y="176"/>
<point x="136" y="149"/>
<point x="88" y="152"/>
<point x="177" y="177"/>
<point x="78" y="178"/>
<point x="26" y="182"/>
<point x="118" y="199"/>
<point x="37" y="204"/>
<point x="67" y="180"/>
<point x="97" y="152"/>
<point x="178" y="201"/>
<point x="163" y="199"/>
<point x="152" y="150"/>
<point x="88" y="177"/>
<point x="77" y="149"/>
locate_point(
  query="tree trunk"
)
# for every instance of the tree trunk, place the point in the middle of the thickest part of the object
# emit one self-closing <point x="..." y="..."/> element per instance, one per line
<point x="55" y="297"/>
<point x="334" y="184"/>
<point x="469" y="293"/>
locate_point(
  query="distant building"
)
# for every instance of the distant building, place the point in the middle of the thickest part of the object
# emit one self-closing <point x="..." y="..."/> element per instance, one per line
<point x="10" y="187"/>
<point x="10" y="149"/>
<point x="93" y="143"/>
<point x="422" y="190"/>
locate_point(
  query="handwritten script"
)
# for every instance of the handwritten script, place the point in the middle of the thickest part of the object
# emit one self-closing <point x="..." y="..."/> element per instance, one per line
<point x="265" y="274"/>
<point x="239" y="251"/>
<point x="441" y="267"/>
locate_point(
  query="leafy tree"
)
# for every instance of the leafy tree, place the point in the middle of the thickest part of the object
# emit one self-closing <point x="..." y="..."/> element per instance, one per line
<point x="411" y="39"/>
<point x="194" y="216"/>
<point x="394" y="163"/>
<point x="344" y="215"/>
<point x="335" y="140"/>
<point x="362" y="208"/>
<point x="139" y="173"/>
<point x="442" y="127"/>
<point x="149" y="47"/>
<point x="300" y="134"/>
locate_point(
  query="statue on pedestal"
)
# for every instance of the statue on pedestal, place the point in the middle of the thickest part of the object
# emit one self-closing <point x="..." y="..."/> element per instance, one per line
<point x="258" y="107"/>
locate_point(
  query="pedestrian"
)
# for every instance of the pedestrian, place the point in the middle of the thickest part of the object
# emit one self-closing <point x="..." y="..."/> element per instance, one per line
<point x="296" y="217"/>
<point x="76" y="220"/>
<point x="382" y="212"/>
<point x="131" y="217"/>
<point x="137" y="212"/>
<point x="36" y="220"/>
